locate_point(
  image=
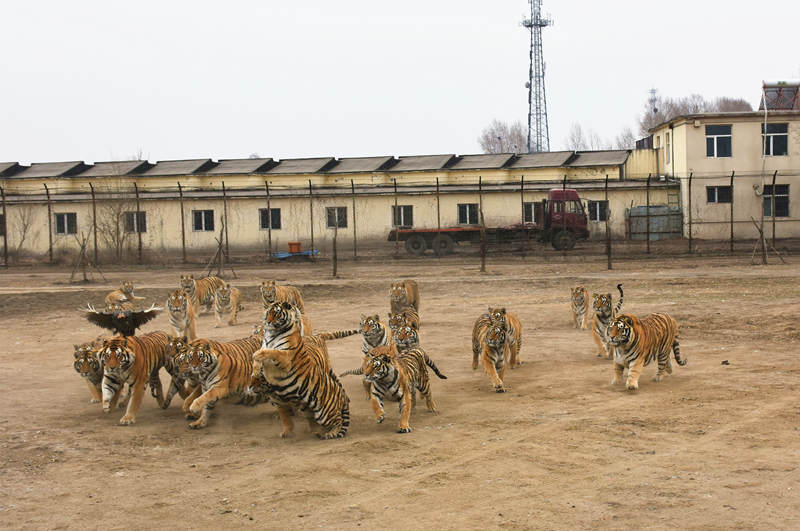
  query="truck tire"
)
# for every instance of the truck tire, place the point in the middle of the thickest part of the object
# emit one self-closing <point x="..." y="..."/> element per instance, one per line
<point x="415" y="244"/>
<point x="442" y="244"/>
<point x="564" y="240"/>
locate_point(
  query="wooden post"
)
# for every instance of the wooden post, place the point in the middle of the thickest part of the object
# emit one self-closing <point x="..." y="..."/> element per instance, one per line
<point x="774" y="175"/>
<point x="311" y="215"/>
<point x="732" y="173"/>
<point x="269" y="223"/>
<point x="690" y="212"/>
<point x="183" y="223"/>
<point x="397" y="228"/>
<point x="138" y="228"/>
<point x="94" y="222"/>
<point x="608" y="230"/>
<point x="5" y="228"/>
<point x="564" y="203"/>
<point x="438" y="210"/>
<point x="355" y="239"/>
<point x="49" y="221"/>
<point x="335" y="255"/>
<point x="647" y="214"/>
<point x="522" y="198"/>
<point x="225" y="213"/>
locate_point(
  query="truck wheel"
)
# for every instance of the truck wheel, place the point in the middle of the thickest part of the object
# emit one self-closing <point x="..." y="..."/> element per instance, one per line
<point x="416" y="245"/>
<point x="564" y="240"/>
<point x="442" y="244"/>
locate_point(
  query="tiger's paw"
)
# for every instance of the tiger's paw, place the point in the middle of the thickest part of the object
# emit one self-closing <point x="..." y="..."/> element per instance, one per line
<point x="657" y="378"/>
<point x="189" y="415"/>
<point x="127" y="420"/>
<point x="499" y="389"/>
<point x="404" y="430"/>
<point x="196" y="425"/>
<point x="381" y="418"/>
<point x="195" y="409"/>
<point x="106" y="408"/>
<point x="94" y="401"/>
<point x="631" y="386"/>
<point x="474" y="365"/>
<point x="286" y="434"/>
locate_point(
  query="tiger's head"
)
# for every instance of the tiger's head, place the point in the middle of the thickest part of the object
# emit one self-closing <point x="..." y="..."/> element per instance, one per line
<point x="377" y="364"/>
<point x="371" y="326"/>
<point x="280" y="316"/>
<point x="87" y="360"/>
<point x="396" y="320"/>
<point x="116" y="356"/>
<point x="496" y="336"/>
<point x="127" y="287"/>
<point x="268" y="291"/>
<point x="398" y="291"/>
<point x="407" y="335"/>
<point x="187" y="283"/>
<point x="601" y="303"/>
<point x="178" y="302"/>
<point x="497" y="314"/>
<point x="622" y="329"/>
<point x="577" y="294"/>
<point x="176" y="347"/>
<point x="224" y="294"/>
<point x="197" y="358"/>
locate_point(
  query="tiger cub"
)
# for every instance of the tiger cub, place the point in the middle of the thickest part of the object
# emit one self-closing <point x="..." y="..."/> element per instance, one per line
<point x="135" y="360"/>
<point x="87" y="364"/>
<point x="404" y="294"/>
<point x="396" y="376"/>
<point x="603" y="314"/>
<point x="201" y="291"/>
<point x="271" y="293"/>
<point x="298" y="374"/>
<point x="181" y="315"/>
<point x="123" y="294"/>
<point x="406" y="337"/>
<point x="637" y="342"/>
<point x="580" y="307"/>
<point x="407" y="316"/>
<point x="496" y="336"/>
<point x="227" y="300"/>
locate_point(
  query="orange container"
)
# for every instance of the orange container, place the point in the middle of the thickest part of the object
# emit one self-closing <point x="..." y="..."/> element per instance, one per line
<point x="295" y="247"/>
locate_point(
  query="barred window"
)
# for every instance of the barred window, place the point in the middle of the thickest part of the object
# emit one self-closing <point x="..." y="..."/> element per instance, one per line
<point x="66" y="223"/>
<point x="274" y="216"/>
<point x="136" y="221"/>
<point x="203" y="220"/>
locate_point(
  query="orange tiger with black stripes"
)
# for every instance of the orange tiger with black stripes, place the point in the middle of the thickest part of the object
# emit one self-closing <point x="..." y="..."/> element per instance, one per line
<point x="272" y="293"/>
<point x="181" y="314"/>
<point x="638" y="341"/>
<point x="603" y="314"/>
<point x="201" y="291"/>
<point x="496" y="338"/>
<point x="579" y="297"/>
<point x="123" y="294"/>
<point x="404" y="294"/>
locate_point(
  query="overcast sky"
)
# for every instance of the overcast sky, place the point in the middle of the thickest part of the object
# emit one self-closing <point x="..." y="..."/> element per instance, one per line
<point x="102" y="80"/>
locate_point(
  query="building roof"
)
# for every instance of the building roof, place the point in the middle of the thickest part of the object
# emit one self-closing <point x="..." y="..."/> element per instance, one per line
<point x="542" y="160"/>
<point x="290" y="166"/>
<point x="51" y="169"/>
<point x="241" y="166"/>
<point x="9" y="167"/>
<point x="422" y="162"/>
<point x="178" y="167"/>
<point x="116" y="168"/>
<point x="599" y="158"/>
<point x="489" y="161"/>
<point x="360" y="164"/>
<point x="727" y="116"/>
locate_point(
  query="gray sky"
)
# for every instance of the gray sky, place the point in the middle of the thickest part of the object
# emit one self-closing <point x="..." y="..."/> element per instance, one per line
<point x="100" y="80"/>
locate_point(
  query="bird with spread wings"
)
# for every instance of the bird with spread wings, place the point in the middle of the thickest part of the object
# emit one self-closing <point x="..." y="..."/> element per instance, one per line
<point x="121" y="319"/>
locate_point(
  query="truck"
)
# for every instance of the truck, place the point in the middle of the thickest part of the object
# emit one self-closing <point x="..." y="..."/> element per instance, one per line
<point x="563" y="222"/>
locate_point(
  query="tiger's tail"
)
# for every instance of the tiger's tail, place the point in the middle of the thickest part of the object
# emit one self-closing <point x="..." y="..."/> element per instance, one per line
<point x="429" y="362"/>
<point x="621" y="298"/>
<point x="338" y="334"/>
<point x="676" y="349"/>
<point x="353" y="372"/>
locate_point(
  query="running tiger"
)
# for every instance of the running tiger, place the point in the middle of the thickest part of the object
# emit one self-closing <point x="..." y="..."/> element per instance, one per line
<point x="272" y="293"/>
<point x="181" y="315"/>
<point x="404" y="294"/>
<point x="123" y="294"/>
<point x="406" y="337"/>
<point x="135" y="360"/>
<point x="406" y="316"/>
<point x="495" y="335"/>
<point x="299" y="377"/>
<point x="580" y="307"/>
<point x="397" y="376"/>
<point x="87" y="364"/>
<point x="201" y="291"/>
<point x="637" y="342"/>
<point x="227" y="299"/>
<point x="603" y="314"/>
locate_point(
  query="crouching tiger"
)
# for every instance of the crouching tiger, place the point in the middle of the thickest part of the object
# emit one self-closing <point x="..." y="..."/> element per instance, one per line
<point x="637" y="342"/>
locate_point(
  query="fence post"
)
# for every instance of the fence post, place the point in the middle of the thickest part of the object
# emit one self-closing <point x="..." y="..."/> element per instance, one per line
<point x="773" y="207"/>
<point x="690" y="211"/>
<point x="647" y="214"/>
<point x="564" y="203"/>
<point x="5" y="228"/>
<point x="397" y="227"/>
<point x="225" y="213"/>
<point x="608" y="230"/>
<point x="183" y="223"/>
<point x="311" y="216"/>
<point x="522" y="198"/>
<point x="94" y="221"/>
<point x="269" y="223"/>
<point x="732" y="173"/>
<point x="355" y="239"/>
<point x="138" y="228"/>
<point x="438" y="213"/>
<point x="49" y="222"/>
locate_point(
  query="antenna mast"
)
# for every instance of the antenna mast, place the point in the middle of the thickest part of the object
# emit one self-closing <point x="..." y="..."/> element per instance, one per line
<point x="538" y="130"/>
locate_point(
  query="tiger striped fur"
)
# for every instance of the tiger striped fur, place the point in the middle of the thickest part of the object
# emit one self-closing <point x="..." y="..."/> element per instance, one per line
<point x="298" y="374"/>
<point x="227" y="300"/>
<point x="181" y="315"/>
<point x="201" y="291"/>
<point x="181" y="383"/>
<point x="123" y="294"/>
<point x="579" y="296"/>
<point x="271" y="293"/>
<point x="89" y="366"/>
<point x="603" y="314"/>
<point x="135" y="360"/>
<point x="406" y="337"/>
<point x="637" y="342"/>
<point x="407" y="316"/>
<point x="404" y="294"/>
<point x="496" y="337"/>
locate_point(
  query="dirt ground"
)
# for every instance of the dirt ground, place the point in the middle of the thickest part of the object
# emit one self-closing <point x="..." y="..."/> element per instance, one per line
<point x="715" y="446"/>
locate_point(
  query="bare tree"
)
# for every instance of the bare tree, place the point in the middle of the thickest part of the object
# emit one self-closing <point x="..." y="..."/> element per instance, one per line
<point x="732" y="105"/>
<point x="663" y="109"/>
<point x="625" y="139"/>
<point x="501" y="137"/>
<point x="111" y="222"/>
<point x="575" y="140"/>
<point x="22" y="226"/>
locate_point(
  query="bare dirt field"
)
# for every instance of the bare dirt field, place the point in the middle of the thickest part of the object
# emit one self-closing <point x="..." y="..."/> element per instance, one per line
<point x="715" y="446"/>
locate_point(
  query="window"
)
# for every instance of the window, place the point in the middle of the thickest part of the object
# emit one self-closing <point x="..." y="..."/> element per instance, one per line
<point x="718" y="194"/>
<point x="781" y="200"/>
<point x="203" y="220"/>
<point x="573" y="207"/>
<point x="666" y="151"/>
<point x="402" y="216"/>
<point x="67" y="223"/>
<point x="336" y="217"/>
<point x="718" y="141"/>
<point x="468" y="214"/>
<point x="275" y="217"/>
<point x="136" y="221"/>
<point x="532" y="212"/>
<point x="775" y="140"/>
<point x="597" y="210"/>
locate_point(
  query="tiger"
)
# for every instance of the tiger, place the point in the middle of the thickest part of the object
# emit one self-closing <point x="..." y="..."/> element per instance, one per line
<point x="88" y="365"/>
<point x="227" y="299"/>
<point x="271" y="292"/>
<point x="603" y="314"/>
<point x="181" y="383"/>
<point x="397" y="376"/>
<point x="579" y="296"/>
<point x="123" y="294"/>
<point x="406" y="316"/>
<point x="135" y="360"/>
<point x="406" y="337"/>
<point x="298" y="375"/>
<point x="181" y="315"/>
<point x="404" y="294"/>
<point x="201" y="291"/>
<point x="637" y="342"/>
<point x="495" y="336"/>
<point x="279" y="319"/>
<point x="374" y="334"/>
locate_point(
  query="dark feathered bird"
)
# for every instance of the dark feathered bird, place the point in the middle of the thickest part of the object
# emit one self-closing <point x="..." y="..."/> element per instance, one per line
<point x="121" y="319"/>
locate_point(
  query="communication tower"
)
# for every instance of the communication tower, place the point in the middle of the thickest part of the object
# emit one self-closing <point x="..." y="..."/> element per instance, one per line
<point x="538" y="130"/>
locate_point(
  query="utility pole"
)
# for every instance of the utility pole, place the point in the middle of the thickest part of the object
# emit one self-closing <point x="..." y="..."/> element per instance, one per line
<point x="538" y="130"/>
